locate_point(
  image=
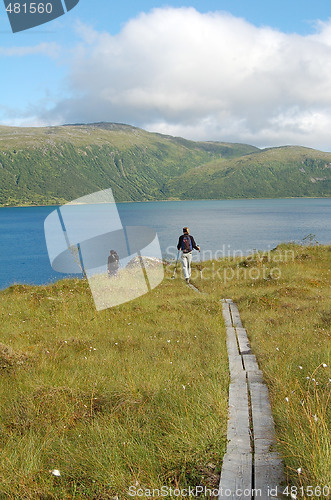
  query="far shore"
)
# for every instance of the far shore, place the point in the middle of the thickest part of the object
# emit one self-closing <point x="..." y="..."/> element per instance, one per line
<point x="175" y="199"/>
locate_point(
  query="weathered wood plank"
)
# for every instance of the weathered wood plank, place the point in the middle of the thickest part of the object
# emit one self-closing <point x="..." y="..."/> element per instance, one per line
<point x="231" y="341"/>
<point x="250" y="363"/>
<point x="227" y="315"/>
<point x="269" y="475"/>
<point x="236" y="476"/>
<point x="235" y="316"/>
<point x="244" y="345"/>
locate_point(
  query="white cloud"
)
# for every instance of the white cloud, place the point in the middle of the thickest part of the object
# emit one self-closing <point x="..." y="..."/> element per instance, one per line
<point x="204" y="76"/>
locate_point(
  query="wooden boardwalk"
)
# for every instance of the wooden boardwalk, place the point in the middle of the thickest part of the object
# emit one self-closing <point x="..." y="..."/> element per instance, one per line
<point x="251" y="466"/>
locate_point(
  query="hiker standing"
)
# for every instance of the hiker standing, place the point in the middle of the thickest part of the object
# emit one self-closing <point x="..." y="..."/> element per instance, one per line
<point x="186" y="244"/>
<point x="113" y="263"/>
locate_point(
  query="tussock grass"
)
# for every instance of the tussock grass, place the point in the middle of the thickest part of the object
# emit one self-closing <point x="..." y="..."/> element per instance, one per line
<point x="136" y="394"/>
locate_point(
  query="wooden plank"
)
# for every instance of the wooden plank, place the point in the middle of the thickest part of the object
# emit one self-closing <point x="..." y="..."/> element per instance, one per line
<point x="235" y="316"/>
<point x="227" y="315"/>
<point x="263" y="423"/>
<point x="269" y="475"/>
<point x="250" y="363"/>
<point x="262" y="446"/>
<point x="231" y="341"/>
<point x="255" y="377"/>
<point x="244" y="345"/>
<point x="238" y="394"/>
<point x="236" y="476"/>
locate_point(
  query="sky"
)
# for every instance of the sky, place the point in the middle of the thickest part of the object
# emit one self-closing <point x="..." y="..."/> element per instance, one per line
<point x="249" y="71"/>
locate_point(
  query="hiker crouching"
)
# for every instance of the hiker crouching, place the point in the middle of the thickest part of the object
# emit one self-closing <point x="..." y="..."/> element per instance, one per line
<point x="186" y="244"/>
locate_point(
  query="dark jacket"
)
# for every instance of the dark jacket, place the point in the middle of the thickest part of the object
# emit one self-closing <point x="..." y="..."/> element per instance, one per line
<point x="113" y="261"/>
<point x="194" y="245"/>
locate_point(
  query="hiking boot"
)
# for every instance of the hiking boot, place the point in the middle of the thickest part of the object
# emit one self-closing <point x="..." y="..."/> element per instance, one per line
<point x="187" y="280"/>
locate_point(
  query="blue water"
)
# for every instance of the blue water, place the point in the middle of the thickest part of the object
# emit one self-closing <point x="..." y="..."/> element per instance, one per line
<point x="223" y="226"/>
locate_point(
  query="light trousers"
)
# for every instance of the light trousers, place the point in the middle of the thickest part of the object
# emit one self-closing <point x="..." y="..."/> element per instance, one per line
<point x="186" y="263"/>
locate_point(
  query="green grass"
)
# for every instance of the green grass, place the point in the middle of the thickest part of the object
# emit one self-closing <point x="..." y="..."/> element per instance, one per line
<point x="137" y="394"/>
<point x="132" y="395"/>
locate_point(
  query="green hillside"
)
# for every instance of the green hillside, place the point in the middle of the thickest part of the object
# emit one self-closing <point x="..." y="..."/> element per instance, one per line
<point x="271" y="173"/>
<point x="52" y="165"/>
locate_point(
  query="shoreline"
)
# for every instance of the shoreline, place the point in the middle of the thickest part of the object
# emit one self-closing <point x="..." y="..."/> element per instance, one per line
<point x="178" y="200"/>
<point x="224" y="258"/>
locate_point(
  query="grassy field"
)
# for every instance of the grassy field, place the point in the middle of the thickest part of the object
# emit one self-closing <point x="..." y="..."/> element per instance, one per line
<point x="137" y="394"/>
<point x="134" y="395"/>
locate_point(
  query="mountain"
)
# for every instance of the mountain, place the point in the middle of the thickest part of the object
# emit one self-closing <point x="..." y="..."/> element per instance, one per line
<point x="282" y="172"/>
<point x="52" y="165"/>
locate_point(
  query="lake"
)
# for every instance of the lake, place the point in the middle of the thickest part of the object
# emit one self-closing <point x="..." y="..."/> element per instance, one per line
<point x="219" y="226"/>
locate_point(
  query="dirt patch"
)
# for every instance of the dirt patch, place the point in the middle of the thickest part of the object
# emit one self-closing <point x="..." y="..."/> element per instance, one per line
<point x="10" y="358"/>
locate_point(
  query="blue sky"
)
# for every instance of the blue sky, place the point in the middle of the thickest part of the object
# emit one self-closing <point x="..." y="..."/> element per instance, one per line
<point x="230" y="70"/>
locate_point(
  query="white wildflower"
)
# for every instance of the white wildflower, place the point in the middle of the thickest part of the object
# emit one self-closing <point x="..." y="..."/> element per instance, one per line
<point x="184" y="387"/>
<point x="286" y="399"/>
<point x="300" y="367"/>
<point x="299" y="470"/>
<point x="56" y="472"/>
<point x="324" y="365"/>
<point x="315" y="417"/>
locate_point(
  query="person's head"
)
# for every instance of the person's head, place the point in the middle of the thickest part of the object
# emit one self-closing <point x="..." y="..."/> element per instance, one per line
<point x="185" y="230"/>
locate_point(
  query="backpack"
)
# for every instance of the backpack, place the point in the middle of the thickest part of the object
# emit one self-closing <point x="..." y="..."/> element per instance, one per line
<point x="186" y="244"/>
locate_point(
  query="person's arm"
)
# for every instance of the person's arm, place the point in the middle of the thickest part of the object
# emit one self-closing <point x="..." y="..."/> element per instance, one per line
<point x="179" y="246"/>
<point x="194" y="245"/>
